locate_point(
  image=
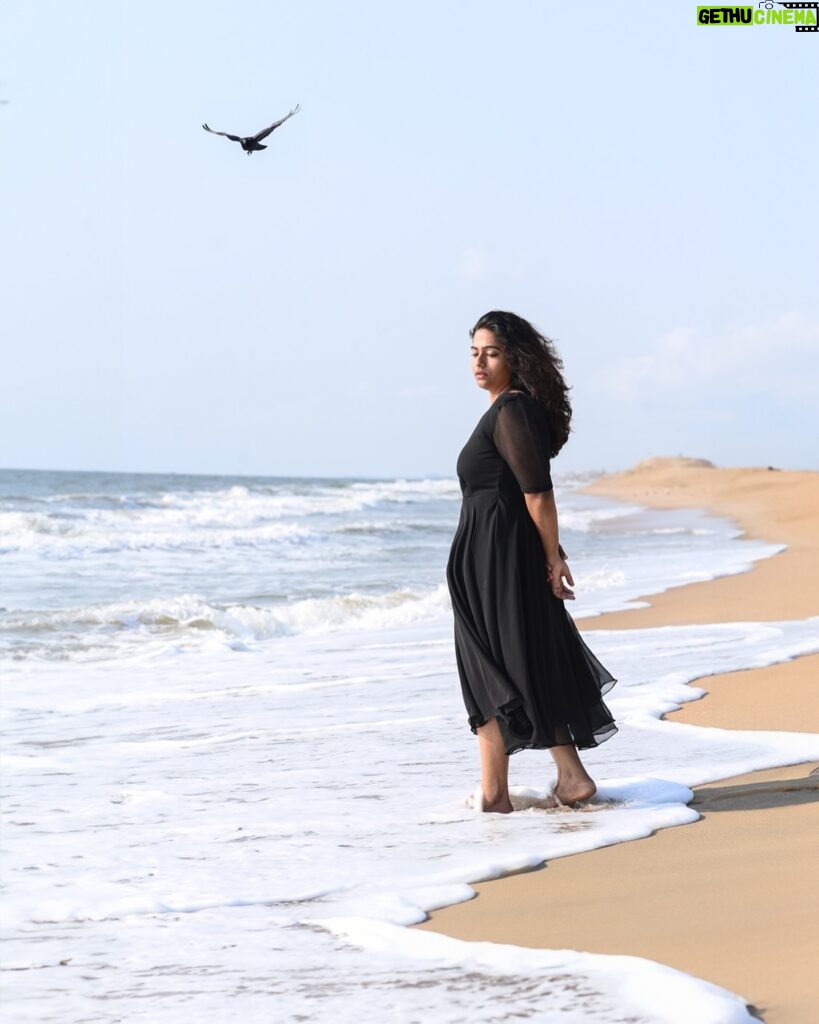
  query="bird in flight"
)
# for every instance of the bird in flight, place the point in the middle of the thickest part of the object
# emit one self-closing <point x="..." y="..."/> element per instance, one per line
<point x="252" y="143"/>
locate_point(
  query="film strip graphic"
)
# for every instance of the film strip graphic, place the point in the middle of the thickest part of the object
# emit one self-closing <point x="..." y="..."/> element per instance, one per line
<point x="801" y="7"/>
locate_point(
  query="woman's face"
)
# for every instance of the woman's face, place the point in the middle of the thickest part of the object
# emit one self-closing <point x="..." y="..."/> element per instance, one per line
<point x="489" y="366"/>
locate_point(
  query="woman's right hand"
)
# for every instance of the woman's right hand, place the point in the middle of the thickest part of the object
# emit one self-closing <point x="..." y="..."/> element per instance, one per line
<point x="556" y="572"/>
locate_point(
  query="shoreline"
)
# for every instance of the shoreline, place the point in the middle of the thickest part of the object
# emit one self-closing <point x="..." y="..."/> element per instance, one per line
<point x="691" y="886"/>
<point x="777" y="506"/>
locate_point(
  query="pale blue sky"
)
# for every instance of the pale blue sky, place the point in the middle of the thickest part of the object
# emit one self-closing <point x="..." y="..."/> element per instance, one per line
<point x="641" y="188"/>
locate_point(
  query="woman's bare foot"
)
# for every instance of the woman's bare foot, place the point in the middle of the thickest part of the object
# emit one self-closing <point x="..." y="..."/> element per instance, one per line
<point x="574" y="784"/>
<point x="498" y="806"/>
<point x="494" y="770"/>
<point x="495" y="801"/>
<point x="479" y="802"/>
<point x="574" y="790"/>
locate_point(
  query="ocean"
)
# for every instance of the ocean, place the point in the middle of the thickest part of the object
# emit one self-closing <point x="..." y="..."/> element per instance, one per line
<point x="235" y="758"/>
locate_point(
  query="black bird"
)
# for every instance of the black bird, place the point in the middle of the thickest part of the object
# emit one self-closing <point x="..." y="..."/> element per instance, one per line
<point x="251" y="143"/>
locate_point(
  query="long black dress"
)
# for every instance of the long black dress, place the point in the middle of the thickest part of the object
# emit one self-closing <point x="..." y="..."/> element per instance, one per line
<point x="520" y="657"/>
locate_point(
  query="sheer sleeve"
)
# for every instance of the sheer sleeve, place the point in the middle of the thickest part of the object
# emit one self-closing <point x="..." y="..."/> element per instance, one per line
<point x="521" y="435"/>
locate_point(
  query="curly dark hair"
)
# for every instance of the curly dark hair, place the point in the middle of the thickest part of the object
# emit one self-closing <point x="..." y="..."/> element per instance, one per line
<point x="536" y="368"/>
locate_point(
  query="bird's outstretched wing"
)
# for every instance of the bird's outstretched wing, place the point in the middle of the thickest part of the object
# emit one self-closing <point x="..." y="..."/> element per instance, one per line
<point x="233" y="138"/>
<point x="266" y="131"/>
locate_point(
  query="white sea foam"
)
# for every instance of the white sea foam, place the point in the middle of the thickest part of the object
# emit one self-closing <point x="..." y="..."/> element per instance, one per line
<point x="326" y="778"/>
<point x="116" y="628"/>
<point x="108" y="531"/>
<point x="199" y="519"/>
<point x="573" y="988"/>
<point x="583" y="520"/>
<point x="236" y="958"/>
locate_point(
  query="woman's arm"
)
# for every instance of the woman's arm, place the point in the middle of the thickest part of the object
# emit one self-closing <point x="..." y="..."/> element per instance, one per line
<point x="543" y="511"/>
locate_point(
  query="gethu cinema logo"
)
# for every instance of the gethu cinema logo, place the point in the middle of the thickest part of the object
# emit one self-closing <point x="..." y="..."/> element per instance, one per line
<point x="803" y="16"/>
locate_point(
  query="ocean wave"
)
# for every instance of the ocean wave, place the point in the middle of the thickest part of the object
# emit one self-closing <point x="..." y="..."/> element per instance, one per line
<point x="233" y="516"/>
<point x="404" y="491"/>
<point x="600" y="579"/>
<point x="585" y="520"/>
<point x="311" y="498"/>
<point x="101" y="629"/>
<point x="38" y="534"/>
<point x="395" y="526"/>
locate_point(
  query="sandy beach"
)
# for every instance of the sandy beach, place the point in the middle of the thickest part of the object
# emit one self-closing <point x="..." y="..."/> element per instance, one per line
<point x="733" y="897"/>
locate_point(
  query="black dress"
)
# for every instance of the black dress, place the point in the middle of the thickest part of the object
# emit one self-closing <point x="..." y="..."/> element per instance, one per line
<point x="520" y="657"/>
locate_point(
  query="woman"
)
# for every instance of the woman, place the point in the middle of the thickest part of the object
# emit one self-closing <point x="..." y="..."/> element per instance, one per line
<point x="527" y="677"/>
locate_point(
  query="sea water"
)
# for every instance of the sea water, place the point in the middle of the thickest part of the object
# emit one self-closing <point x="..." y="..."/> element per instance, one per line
<point x="235" y="756"/>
